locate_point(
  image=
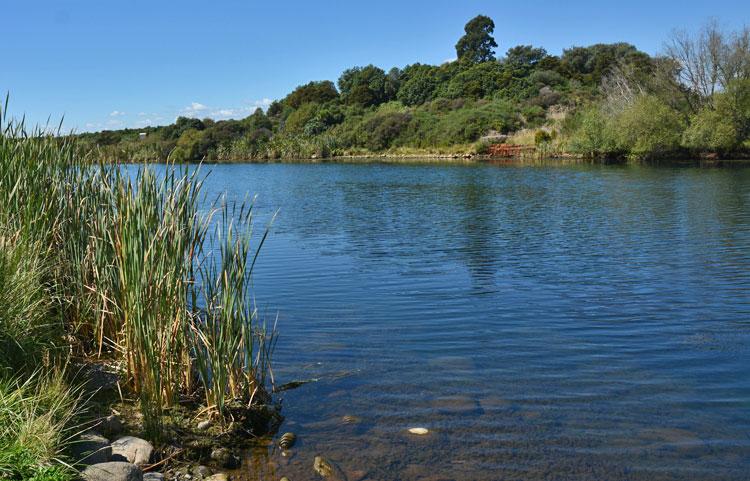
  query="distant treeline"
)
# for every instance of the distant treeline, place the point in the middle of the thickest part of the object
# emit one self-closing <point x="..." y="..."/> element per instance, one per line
<point x="604" y="100"/>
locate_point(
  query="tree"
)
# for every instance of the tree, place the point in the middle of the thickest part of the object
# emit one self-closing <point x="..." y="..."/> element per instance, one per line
<point x="174" y="131"/>
<point x="709" y="61"/>
<point x="187" y="147"/>
<point x="258" y="120"/>
<point x="724" y="125"/>
<point x="365" y="86"/>
<point x="477" y="44"/>
<point x="478" y="81"/>
<point x="525" y="56"/>
<point x="418" y="84"/>
<point x="319" y="92"/>
<point x="591" y="64"/>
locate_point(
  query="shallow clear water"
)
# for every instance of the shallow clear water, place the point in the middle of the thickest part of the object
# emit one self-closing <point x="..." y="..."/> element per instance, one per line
<point x="556" y="322"/>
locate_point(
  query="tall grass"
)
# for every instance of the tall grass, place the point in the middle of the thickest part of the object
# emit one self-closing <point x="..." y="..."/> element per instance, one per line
<point x="35" y="426"/>
<point x="233" y="350"/>
<point x="118" y="262"/>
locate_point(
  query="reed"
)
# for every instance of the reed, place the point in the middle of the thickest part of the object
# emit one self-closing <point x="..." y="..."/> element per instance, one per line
<point x="129" y="264"/>
<point x="232" y="349"/>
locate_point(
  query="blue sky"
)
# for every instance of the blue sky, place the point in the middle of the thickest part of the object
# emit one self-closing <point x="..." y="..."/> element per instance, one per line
<point x="114" y="63"/>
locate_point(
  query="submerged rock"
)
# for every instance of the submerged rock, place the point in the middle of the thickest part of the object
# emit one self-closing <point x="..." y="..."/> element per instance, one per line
<point x="350" y="420"/>
<point x="134" y="450"/>
<point x="112" y="471"/>
<point x="91" y="448"/>
<point x="287" y="440"/>
<point x="328" y="469"/>
<point x="225" y="458"/>
<point x="419" y="431"/>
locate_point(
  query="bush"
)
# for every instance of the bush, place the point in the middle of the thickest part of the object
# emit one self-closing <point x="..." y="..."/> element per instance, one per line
<point x="591" y="133"/>
<point x="542" y="137"/>
<point x="648" y="127"/>
<point x="711" y="130"/>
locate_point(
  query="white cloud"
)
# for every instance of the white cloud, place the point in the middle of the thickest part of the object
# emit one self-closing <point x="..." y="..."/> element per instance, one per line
<point x="450" y="60"/>
<point x="196" y="107"/>
<point x="116" y="113"/>
<point x="143" y="123"/>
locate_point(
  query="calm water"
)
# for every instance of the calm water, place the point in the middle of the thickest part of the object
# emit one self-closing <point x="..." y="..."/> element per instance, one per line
<point x="543" y="322"/>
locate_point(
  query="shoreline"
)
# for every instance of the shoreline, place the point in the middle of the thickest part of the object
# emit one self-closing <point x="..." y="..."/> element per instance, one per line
<point x="468" y="159"/>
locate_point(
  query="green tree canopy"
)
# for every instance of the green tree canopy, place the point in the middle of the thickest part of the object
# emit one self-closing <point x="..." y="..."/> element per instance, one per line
<point x="477" y="44"/>
<point x="478" y="81"/>
<point x="365" y="86"/>
<point x="591" y="64"/>
<point x="525" y="56"/>
<point x="258" y="120"/>
<point x="320" y="92"/>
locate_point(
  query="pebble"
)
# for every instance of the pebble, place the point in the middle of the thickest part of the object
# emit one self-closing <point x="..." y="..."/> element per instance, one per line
<point x="287" y="440"/>
<point x="153" y="477"/>
<point x="204" y="425"/>
<point x="419" y="431"/>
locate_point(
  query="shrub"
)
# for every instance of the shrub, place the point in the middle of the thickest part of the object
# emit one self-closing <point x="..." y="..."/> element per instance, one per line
<point x="648" y="127"/>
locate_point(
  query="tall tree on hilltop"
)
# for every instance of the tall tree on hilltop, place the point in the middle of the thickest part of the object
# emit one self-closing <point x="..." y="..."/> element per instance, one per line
<point x="477" y="44"/>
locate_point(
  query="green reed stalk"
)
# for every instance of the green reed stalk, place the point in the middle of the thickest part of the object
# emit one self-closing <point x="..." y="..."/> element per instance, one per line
<point x="122" y="265"/>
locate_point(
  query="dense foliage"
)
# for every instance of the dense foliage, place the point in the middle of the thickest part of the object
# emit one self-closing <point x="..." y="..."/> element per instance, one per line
<point x="602" y="100"/>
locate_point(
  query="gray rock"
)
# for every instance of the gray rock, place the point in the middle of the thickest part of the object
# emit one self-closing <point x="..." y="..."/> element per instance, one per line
<point x="99" y="379"/>
<point x="153" y="477"/>
<point x="204" y="424"/>
<point x="91" y="448"/>
<point x="131" y="449"/>
<point x="111" y="425"/>
<point x="112" y="471"/>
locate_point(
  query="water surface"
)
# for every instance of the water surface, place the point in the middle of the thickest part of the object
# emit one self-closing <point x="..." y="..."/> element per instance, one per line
<point x="556" y="322"/>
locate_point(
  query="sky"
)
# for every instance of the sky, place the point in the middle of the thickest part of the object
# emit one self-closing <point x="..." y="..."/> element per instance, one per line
<point x="109" y="64"/>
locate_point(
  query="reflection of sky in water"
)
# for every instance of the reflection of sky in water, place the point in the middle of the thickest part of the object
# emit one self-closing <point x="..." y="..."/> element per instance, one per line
<point x="544" y="322"/>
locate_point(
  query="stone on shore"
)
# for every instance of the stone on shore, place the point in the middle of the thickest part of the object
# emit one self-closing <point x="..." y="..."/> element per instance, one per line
<point x="111" y="425"/>
<point x="153" y="477"/>
<point x="91" y="448"/>
<point x="131" y="449"/>
<point x="112" y="471"/>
